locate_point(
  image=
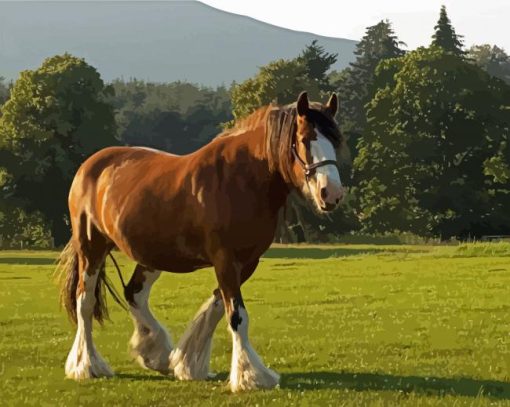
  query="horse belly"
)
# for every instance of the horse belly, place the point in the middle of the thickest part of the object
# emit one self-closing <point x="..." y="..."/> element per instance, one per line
<point x="172" y="255"/>
<point x="178" y="264"/>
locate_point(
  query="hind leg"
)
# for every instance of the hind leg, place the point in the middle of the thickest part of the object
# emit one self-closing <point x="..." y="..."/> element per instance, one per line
<point x="84" y="361"/>
<point x="150" y="344"/>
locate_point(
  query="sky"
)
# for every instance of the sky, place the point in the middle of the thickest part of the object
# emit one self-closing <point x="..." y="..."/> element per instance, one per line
<point x="478" y="21"/>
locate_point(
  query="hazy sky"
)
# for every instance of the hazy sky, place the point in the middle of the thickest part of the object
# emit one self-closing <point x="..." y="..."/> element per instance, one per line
<point x="480" y="22"/>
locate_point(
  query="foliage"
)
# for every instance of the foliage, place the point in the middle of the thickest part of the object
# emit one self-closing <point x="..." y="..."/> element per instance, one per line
<point x="317" y="63"/>
<point x="355" y="84"/>
<point x="492" y="59"/>
<point x="435" y="157"/>
<point x="20" y="230"/>
<point x="445" y="36"/>
<point x="56" y="117"/>
<point x="4" y="91"/>
<point x="178" y="117"/>
<point x="282" y="80"/>
<point x="278" y="82"/>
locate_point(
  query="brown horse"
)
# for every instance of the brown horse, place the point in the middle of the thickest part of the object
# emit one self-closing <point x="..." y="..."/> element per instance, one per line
<point x="215" y="207"/>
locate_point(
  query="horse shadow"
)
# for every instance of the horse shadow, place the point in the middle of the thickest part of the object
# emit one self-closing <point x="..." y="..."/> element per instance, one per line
<point x="434" y="386"/>
<point x="438" y="386"/>
<point x="144" y="377"/>
<point x="220" y="376"/>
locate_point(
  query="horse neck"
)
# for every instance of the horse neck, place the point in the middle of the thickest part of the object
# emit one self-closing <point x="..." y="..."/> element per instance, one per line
<point x="253" y="142"/>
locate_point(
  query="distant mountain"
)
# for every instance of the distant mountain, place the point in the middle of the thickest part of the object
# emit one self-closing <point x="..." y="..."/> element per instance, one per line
<point x="157" y="41"/>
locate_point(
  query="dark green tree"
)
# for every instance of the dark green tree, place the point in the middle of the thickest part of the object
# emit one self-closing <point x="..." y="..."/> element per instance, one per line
<point x="445" y="36"/>
<point x="435" y="157"/>
<point x="279" y="81"/>
<point x="354" y="86"/>
<point x="178" y="117"/>
<point x="492" y="59"/>
<point x="282" y="80"/>
<point x="317" y="63"/>
<point x="56" y="117"/>
<point x="4" y="91"/>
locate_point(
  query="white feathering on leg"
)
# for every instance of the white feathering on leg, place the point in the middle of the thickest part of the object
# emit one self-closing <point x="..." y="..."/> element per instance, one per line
<point x="190" y="358"/>
<point x="151" y="348"/>
<point x="150" y="344"/>
<point x="84" y="361"/>
<point x="247" y="371"/>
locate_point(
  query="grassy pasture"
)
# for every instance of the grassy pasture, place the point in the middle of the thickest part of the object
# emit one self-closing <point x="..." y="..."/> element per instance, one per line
<point x="344" y="325"/>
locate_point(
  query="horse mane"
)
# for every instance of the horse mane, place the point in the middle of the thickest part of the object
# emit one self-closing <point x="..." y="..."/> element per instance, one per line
<point x="280" y="129"/>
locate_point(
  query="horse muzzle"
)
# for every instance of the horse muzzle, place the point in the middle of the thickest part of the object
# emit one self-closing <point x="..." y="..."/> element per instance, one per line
<point x="331" y="196"/>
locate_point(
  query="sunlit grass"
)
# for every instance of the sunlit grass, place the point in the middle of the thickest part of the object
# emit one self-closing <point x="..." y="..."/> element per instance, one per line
<point x="344" y="325"/>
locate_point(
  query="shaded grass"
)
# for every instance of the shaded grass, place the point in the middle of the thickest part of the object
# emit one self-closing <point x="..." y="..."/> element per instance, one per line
<point x="344" y="325"/>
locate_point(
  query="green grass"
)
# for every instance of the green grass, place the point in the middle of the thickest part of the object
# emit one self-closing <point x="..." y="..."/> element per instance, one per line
<point x="344" y="325"/>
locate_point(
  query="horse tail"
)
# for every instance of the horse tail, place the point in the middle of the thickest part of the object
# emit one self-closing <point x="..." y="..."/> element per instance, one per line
<point x="67" y="268"/>
<point x="67" y="273"/>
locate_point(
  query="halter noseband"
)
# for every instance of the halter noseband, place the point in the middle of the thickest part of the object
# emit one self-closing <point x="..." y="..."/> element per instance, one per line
<point x="309" y="169"/>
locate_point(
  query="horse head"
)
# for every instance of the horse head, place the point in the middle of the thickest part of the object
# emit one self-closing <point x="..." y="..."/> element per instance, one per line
<point x="316" y="139"/>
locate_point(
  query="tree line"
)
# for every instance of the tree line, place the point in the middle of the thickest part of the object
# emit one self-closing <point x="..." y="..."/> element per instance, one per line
<point x="427" y="134"/>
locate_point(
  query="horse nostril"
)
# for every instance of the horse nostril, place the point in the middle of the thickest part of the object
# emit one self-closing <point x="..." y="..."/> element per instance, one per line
<point x="337" y="201"/>
<point x="324" y="193"/>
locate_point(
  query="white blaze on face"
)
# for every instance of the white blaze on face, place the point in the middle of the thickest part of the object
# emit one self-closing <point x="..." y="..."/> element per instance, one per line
<point x="329" y="188"/>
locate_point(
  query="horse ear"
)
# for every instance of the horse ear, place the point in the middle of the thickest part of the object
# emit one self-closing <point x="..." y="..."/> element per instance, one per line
<point x="332" y="105"/>
<point x="302" y="104"/>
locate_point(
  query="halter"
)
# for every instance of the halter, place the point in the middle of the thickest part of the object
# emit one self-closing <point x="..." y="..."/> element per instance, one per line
<point x="309" y="169"/>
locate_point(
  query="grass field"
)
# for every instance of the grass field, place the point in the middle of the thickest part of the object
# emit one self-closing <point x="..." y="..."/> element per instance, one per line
<point x="346" y="325"/>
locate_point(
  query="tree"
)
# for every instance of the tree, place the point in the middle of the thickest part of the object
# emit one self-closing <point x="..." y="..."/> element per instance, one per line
<point x="435" y="159"/>
<point x="4" y="91"/>
<point x="445" y="36"/>
<point x="317" y="63"/>
<point x="494" y="60"/>
<point x="56" y="117"/>
<point x="354" y="85"/>
<point x="279" y="82"/>
<point x="178" y="117"/>
<point x="282" y="80"/>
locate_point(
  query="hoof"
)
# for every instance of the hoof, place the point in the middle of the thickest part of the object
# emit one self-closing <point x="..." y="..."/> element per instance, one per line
<point x="249" y="373"/>
<point x="151" y="351"/>
<point x="89" y="366"/>
<point x="187" y="367"/>
<point x="252" y="379"/>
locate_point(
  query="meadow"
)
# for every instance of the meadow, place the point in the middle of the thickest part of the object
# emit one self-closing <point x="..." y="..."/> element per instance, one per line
<point x="343" y="325"/>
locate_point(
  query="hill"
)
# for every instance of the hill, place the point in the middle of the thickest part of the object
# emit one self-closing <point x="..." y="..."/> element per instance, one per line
<point x="157" y="41"/>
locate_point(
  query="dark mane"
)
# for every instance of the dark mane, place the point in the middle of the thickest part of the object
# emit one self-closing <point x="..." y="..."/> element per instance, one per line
<point x="281" y="130"/>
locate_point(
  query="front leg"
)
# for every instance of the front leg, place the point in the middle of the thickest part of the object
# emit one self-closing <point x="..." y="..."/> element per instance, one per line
<point x="190" y="358"/>
<point x="247" y="370"/>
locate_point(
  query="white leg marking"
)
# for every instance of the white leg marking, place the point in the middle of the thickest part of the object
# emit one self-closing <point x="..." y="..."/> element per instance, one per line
<point x="84" y="361"/>
<point x="248" y="371"/>
<point x="190" y="359"/>
<point x="150" y="344"/>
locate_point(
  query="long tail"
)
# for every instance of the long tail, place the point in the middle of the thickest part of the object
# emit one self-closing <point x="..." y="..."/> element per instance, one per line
<point x="68" y="274"/>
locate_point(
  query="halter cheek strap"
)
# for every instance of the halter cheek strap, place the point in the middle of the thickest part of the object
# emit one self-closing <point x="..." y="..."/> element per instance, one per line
<point x="309" y="169"/>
